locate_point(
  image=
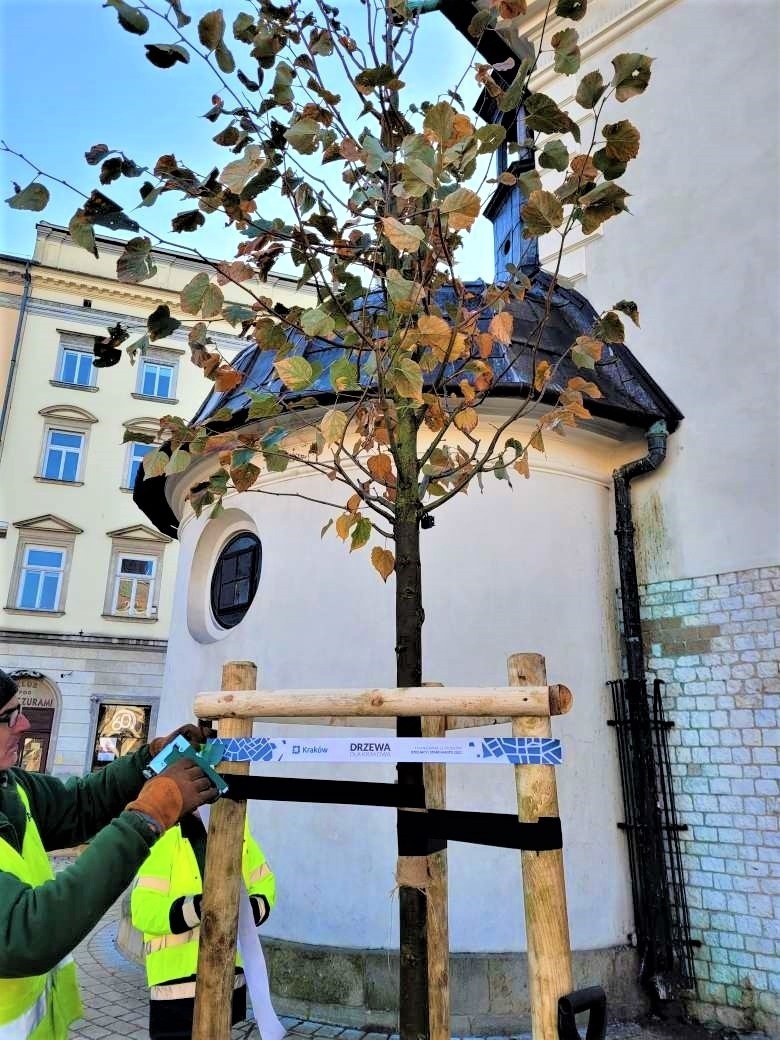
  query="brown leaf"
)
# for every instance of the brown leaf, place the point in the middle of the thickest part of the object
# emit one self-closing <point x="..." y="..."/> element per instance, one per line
<point x="227" y="378"/>
<point x="584" y="387"/>
<point x="582" y="167"/>
<point x="237" y="271"/>
<point x="244" y="477"/>
<point x="521" y="466"/>
<point x="354" y="503"/>
<point x="381" y="468"/>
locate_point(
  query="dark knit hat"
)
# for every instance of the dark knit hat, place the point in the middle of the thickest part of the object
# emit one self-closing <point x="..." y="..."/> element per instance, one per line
<point x="8" y="688"/>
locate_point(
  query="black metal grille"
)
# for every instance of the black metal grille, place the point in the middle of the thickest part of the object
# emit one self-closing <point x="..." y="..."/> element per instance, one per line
<point x="652" y="830"/>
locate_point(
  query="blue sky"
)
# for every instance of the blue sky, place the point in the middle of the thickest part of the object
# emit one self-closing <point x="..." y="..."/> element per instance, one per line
<point x="71" y="78"/>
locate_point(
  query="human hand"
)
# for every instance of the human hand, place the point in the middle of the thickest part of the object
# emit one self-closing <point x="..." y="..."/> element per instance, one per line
<point x="196" y="733"/>
<point x="178" y="790"/>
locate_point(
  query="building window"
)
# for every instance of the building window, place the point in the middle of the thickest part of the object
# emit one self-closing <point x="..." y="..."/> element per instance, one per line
<point x="75" y="367"/>
<point x="134" y="574"/>
<point x="63" y="454"/>
<point x="121" y="729"/>
<point x="65" y="440"/>
<point x="133" y="586"/>
<point x="156" y="379"/>
<point x="136" y="452"/>
<point x="41" y="577"/>
<point x="235" y="579"/>
<point x="44" y="553"/>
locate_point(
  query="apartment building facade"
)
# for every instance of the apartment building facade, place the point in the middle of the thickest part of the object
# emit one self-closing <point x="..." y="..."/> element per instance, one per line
<point x="85" y="583"/>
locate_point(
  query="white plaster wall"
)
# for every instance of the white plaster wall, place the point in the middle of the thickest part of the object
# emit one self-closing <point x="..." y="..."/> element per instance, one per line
<point x="508" y="571"/>
<point x="701" y="257"/>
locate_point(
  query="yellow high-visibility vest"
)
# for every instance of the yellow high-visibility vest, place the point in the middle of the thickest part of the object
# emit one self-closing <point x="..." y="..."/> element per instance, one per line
<point x="40" y="1007"/>
<point x="170" y="872"/>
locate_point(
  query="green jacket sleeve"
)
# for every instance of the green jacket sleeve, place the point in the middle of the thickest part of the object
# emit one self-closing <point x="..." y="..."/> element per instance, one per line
<point x="39" y="926"/>
<point x="70" y="812"/>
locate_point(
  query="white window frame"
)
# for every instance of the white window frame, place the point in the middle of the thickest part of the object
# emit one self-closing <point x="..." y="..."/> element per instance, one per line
<point x="44" y="532"/>
<point x="71" y="348"/>
<point x="139" y="543"/>
<point x="119" y="577"/>
<point x="162" y="359"/>
<point x="77" y="343"/>
<point x="65" y="419"/>
<point x="26" y="567"/>
<point x="48" y="446"/>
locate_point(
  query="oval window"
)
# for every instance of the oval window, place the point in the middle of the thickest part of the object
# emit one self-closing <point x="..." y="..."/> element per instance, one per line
<point x="235" y="579"/>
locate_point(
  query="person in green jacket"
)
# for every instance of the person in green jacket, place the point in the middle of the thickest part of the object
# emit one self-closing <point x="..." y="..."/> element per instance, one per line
<point x="165" y="906"/>
<point x="43" y="917"/>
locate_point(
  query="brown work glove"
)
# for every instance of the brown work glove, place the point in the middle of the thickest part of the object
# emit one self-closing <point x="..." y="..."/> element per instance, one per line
<point x="178" y="790"/>
<point x="196" y="733"/>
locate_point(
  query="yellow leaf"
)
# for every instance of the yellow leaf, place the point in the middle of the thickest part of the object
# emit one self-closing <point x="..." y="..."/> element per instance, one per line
<point x="383" y="561"/>
<point x="501" y="327"/>
<point x="381" y="468"/>
<point x="333" y="425"/>
<point x="467" y="390"/>
<point x="466" y="420"/>
<point x="541" y="375"/>
<point x="462" y="208"/>
<point x="344" y="524"/>
<point x="434" y="332"/>
<point x="405" y="237"/>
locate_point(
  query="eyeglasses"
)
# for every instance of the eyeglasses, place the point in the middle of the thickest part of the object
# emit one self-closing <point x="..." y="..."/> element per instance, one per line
<point x="11" y="717"/>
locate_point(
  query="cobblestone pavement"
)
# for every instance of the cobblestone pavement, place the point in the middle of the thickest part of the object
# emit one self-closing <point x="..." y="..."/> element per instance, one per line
<point x="116" y="1005"/>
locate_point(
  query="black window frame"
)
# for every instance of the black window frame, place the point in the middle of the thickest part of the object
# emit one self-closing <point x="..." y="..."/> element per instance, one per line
<point x="226" y="617"/>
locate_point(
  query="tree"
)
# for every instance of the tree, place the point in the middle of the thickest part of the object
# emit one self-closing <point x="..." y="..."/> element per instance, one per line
<point x="379" y="385"/>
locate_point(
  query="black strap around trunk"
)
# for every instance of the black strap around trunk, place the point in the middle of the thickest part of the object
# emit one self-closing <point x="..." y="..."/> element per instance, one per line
<point x="420" y="833"/>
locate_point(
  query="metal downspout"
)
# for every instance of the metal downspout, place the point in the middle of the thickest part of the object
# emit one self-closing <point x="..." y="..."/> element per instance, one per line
<point x="654" y="925"/>
<point x="15" y="353"/>
<point x="657" y="437"/>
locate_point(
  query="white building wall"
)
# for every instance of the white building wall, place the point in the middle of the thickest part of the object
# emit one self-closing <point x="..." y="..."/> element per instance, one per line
<point x="506" y="571"/>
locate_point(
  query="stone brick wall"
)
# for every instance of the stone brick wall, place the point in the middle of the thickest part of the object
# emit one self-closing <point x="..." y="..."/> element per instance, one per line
<point x="715" y="642"/>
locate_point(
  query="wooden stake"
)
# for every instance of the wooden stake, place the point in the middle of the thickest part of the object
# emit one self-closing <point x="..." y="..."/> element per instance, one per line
<point x="219" y="910"/>
<point x="435" y="781"/>
<point x="544" y="890"/>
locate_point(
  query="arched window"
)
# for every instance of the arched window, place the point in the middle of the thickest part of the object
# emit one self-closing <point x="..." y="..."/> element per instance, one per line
<point x="235" y="579"/>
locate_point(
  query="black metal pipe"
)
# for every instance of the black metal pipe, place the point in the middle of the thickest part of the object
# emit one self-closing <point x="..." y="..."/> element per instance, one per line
<point x="657" y="437"/>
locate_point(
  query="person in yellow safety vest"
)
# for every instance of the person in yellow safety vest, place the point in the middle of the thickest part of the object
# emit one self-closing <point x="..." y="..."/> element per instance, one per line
<point x="165" y="906"/>
<point x="43" y="917"/>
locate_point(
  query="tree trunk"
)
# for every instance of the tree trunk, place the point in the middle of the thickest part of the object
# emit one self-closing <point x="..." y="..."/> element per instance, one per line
<point x="413" y="975"/>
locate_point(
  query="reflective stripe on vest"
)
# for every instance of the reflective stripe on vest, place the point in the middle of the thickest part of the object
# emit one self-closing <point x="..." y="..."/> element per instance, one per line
<point x="39" y="1007"/>
<point x="182" y="990"/>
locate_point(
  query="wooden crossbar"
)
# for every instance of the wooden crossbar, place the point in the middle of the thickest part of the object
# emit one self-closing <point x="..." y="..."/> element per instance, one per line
<point x="478" y="701"/>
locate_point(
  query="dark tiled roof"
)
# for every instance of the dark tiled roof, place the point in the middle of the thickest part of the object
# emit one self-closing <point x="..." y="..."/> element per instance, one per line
<point x="630" y="395"/>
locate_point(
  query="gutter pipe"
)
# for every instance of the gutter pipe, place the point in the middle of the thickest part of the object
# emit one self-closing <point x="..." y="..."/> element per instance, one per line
<point x="15" y="353"/>
<point x="657" y="437"/>
<point x="651" y="885"/>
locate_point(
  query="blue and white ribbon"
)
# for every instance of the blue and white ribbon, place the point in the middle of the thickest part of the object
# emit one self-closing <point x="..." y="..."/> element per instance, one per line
<point x="515" y="751"/>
